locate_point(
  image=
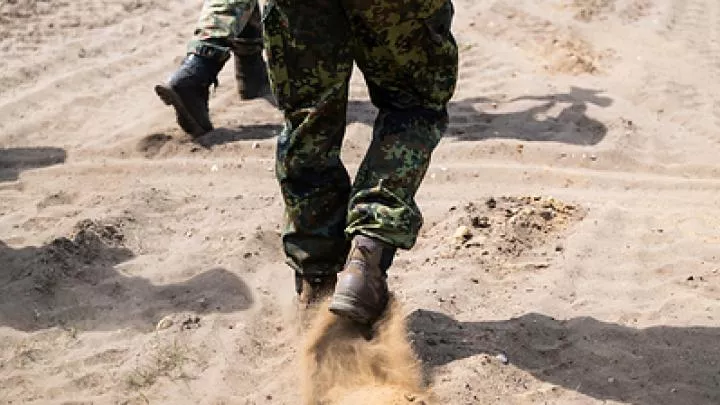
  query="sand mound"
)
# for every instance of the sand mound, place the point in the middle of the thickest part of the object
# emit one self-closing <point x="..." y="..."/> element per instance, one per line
<point x="502" y="230"/>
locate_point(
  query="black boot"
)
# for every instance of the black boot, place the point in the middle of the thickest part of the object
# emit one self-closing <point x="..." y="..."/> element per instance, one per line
<point x="251" y="75"/>
<point x="250" y="68"/>
<point x="188" y="90"/>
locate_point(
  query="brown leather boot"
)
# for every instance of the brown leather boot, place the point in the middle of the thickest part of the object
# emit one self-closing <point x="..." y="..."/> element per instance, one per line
<point x="362" y="293"/>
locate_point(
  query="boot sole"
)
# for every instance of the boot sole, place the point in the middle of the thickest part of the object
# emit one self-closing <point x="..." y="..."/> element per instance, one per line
<point x="351" y="308"/>
<point x="186" y="121"/>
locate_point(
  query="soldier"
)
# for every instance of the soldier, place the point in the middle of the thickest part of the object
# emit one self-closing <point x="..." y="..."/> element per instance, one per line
<point x="409" y="60"/>
<point x="224" y="27"/>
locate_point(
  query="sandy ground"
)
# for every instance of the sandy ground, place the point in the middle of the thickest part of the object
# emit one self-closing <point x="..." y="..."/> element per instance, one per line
<point x="569" y="255"/>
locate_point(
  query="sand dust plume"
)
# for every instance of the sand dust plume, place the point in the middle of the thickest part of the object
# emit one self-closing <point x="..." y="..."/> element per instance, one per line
<point x="342" y="367"/>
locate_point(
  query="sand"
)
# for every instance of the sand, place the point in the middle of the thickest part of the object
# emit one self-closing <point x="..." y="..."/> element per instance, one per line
<point x="570" y="252"/>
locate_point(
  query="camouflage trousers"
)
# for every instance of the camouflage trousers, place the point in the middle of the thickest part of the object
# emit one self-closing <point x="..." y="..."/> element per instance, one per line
<point x="225" y="26"/>
<point x="409" y="60"/>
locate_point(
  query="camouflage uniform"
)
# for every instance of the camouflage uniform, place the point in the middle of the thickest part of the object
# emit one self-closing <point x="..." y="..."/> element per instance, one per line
<point x="226" y="25"/>
<point x="408" y="57"/>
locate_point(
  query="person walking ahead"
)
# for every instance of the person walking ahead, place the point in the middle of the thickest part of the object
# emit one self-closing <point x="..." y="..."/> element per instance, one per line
<point x="224" y="27"/>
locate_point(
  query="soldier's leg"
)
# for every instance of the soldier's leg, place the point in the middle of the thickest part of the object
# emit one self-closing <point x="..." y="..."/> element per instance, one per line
<point x="309" y="65"/>
<point x="187" y="89"/>
<point x="226" y="26"/>
<point x="409" y="59"/>
<point x="219" y="22"/>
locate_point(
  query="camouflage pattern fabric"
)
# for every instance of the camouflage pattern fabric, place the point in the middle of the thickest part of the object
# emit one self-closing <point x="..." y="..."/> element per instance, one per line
<point x="221" y="24"/>
<point x="409" y="59"/>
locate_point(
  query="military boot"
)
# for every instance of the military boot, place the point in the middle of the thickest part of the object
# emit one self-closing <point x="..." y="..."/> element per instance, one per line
<point x="250" y="68"/>
<point x="313" y="290"/>
<point x="362" y="293"/>
<point x="188" y="90"/>
<point x="251" y="76"/>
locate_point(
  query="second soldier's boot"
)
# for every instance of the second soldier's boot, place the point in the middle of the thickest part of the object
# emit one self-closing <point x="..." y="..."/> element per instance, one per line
<point x="188" y="91"/>
<point x="362" y="293"/>
<point x="250" y="68"/>
<point x="251" y="75"/>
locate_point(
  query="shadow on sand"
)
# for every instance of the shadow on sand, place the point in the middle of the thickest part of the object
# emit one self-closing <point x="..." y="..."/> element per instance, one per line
<point x="73" y="282"/>
<point x="15" y="160"/>
<point x="560" y="117"/>
<point x="660" y="365"/>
